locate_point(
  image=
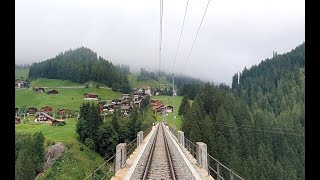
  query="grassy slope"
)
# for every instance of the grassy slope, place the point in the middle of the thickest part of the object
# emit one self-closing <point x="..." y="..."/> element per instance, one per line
<point x="63" y="100"/>
<point x="151" y="83"/>
<point x="177" y="102"/>
<point x="21" y="72"/>
<point x="43" y="82"/>
<point x="74" y="164"/>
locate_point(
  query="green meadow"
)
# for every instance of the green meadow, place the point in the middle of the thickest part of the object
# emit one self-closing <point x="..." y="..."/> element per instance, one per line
<point x="51" y="83"/>
<point x="77" y="161"/>
<point x="134" y="83"/>
<point x="70" y="98"/>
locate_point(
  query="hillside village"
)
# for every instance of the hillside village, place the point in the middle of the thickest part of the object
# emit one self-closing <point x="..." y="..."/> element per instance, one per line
<point x="107" y="107"/>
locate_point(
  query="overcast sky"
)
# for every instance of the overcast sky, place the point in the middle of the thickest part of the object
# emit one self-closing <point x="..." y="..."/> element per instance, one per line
<point x="234" y="33"/>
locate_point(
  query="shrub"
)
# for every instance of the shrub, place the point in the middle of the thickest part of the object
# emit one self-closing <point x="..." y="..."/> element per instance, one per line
<point x="89" y="143"/>
<point x="61" y="124"/>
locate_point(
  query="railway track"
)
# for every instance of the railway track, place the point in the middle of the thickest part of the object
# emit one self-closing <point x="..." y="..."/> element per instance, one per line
<point x="159" y="164"/>
<point x="161" y="159"/>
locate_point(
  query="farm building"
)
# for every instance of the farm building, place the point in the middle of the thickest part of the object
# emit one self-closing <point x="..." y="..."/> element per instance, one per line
<point x="126" y="109"/>
<point x="126" y="97"/>
<point x="108" y="107"/>
<point x="55" y="122"/>
<point x="46" y="109"/>
<point x="17" y="120"/>
<point x="21" y="83"/>
<point x="53" y="92"/>
<point x="169" y="109"/>
<point x="41" y="90"/>
<point x="137" y="103"/>
<point x="90" y="96"/>
<point x="43" y="117"/>
<point x="31" y="111"/>
<point x="147" y="91"/>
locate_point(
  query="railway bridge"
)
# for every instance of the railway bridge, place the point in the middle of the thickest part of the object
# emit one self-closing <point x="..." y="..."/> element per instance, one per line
<point x="161" y="152"/>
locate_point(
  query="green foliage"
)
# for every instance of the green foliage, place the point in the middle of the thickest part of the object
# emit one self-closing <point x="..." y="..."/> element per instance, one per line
<point x="61" y="124"/>
<point x="107" y="141"/>
<point x="80" y="65"/>
<point x="115" y="120"/>
<point x="256" y="128"/>
<point x="145" y="75"/>
<point x="29" y="154"/>
<point x="134" y="83"/>
<point x="145" y="102"/>
<point x="184" y="107"/>
<point x="38" y="151"/>
<point x="21" y="72"/>
<point x="76" y="164"/>
<point x="89" y="122"/>
<point x="90" y="143"/>
<point x="190" y="90"/>
<point x="24" y="167"/>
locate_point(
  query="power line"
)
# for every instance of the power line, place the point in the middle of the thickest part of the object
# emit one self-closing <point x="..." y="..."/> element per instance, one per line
<point x="185" y="13"/>
<point x="160" y="39"/>
<point x="196" y="34"/>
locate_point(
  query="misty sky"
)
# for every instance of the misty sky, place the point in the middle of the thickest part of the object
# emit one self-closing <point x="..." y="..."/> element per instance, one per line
<point x="234" y="33"/>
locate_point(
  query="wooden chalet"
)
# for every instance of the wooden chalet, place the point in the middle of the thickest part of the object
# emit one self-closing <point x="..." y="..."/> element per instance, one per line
<point x="169" y="109"/>
<point x="126" y="96"/>
<point x="137" y="103"/>
<point x="20" y="83"/>
<point x="126" y="109"/>
<point x="46" y="109"/>
<point x="43" y="117"/>
<point x="39" y="89"/>
<point x="31" y="111"/>
<point x="90" y="96"/>
<point x="56" y="121"/>
<point x="55" y="92"/>
<point x="108" y="107"/>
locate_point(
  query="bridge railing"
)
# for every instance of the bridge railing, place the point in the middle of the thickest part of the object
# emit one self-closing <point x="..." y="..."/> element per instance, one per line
<point x="106" y="170"/>
<point x="215" y="168"/>
<point x="131" y="147"/>
<point x="146" y="132"/>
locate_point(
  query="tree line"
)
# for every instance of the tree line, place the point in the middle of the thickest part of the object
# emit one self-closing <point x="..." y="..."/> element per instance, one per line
<point x="82" y="65"/>
<point x="145" y="75"/>
<point x="29" y="155"/>
<point x="256" y="127"/>
<point x="103" y="137"/>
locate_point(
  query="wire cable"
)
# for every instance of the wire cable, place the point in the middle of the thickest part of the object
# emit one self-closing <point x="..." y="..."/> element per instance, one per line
<point x="185" y="13"/>
<point x="160" y="39"/>
<point x="196" y="34"/>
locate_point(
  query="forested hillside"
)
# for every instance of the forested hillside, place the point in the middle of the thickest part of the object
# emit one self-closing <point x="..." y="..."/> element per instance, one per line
<point x="81" y="65"/>
<point x="257" y="127"/>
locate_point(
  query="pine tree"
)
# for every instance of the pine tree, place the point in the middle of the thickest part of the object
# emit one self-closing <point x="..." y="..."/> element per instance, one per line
<point x="184" y="106"/>
<point x="38" y="149"/>
<point x="25" y="169"/>
<point x="107" y="141"/>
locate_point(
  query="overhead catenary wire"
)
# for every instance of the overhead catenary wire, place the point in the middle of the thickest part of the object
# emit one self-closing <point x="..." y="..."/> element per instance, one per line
<point x="185" y="13"/>
<point x="160" y="38"/>
<point x="196" y="34"/>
